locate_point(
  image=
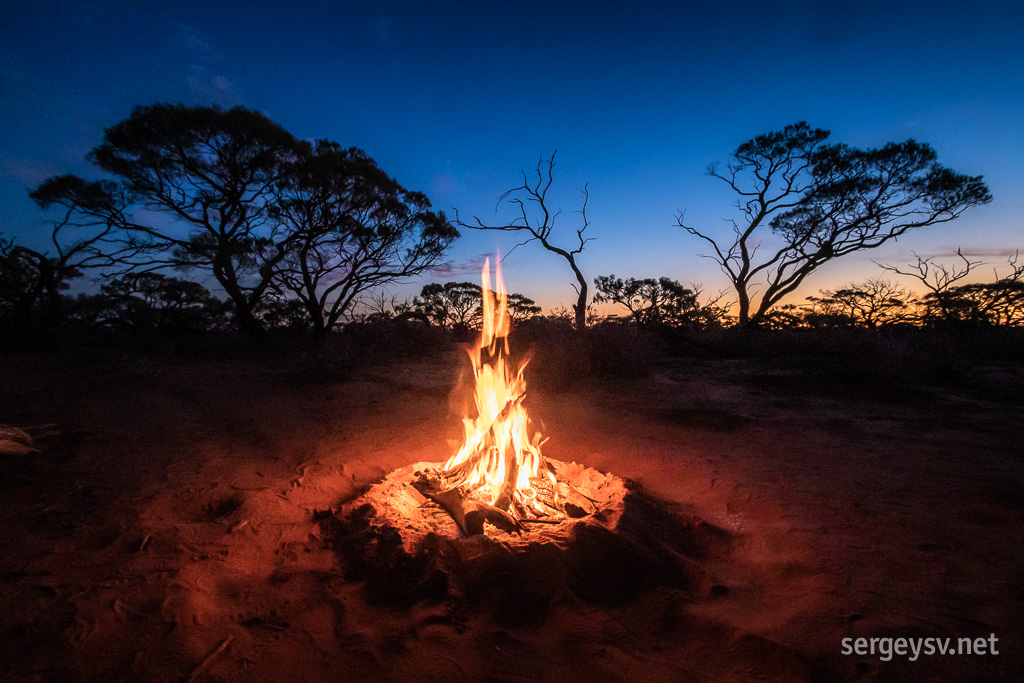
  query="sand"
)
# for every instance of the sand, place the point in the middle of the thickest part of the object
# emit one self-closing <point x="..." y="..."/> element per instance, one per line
<point x="173" y="506"/>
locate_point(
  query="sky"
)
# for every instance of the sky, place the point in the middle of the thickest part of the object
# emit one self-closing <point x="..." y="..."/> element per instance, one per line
<point x="457" y="99"/>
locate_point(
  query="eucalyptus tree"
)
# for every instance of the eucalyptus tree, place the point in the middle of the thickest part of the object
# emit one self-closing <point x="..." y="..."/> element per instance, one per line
<point x="353" y="229"/>
<point x="537" y="220"/>
<point x="192" y="189"/>
<point x="803" y="203"/>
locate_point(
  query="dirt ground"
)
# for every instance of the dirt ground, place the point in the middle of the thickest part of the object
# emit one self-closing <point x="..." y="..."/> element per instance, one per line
<point x="169" y="528"/>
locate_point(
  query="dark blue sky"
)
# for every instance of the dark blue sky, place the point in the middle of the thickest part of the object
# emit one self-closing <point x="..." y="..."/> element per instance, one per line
<point x="455" y="98"/>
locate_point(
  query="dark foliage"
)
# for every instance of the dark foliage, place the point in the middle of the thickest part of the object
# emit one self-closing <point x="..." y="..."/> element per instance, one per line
<point x="822" y="201"/>
<point x="233" y="194"/>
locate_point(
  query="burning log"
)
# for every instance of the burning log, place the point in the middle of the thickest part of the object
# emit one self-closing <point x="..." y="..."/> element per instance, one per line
<point x="468" y="514"/>
<point x="499" y="475"/>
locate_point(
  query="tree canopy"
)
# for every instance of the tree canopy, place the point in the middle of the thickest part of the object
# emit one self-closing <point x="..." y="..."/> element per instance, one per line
<point x="234" y="194"/>
<point x="803" y="203"/>
<point x="654" y="302"/>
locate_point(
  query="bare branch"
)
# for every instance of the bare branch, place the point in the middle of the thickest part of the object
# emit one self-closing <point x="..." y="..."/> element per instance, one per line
<point x="537" y="219"/>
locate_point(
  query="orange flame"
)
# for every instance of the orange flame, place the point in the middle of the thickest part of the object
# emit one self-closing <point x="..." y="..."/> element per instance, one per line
<point x="499" y="463"/>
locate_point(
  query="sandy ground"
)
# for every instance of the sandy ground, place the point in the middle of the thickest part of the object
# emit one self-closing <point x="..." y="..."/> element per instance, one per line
<point x="169" y="526"/>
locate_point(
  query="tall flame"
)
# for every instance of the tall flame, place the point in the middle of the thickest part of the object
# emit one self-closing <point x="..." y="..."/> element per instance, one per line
<point x="499" y="463"/>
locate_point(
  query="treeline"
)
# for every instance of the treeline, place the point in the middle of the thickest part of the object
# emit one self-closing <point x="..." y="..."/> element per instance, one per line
<point x="305" y="236"/>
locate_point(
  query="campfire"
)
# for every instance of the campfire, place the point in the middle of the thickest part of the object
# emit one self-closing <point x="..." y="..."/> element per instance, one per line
<point x="439" y="533"/>
<point x="499" y="475"/>
<point x="498" y="483"/>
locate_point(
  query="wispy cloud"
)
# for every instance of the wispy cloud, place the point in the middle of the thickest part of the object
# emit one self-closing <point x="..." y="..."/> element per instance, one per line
<point x="206" y="84"/>
<point x="450" y="269"/>
<point x="190" y="39"/>
<point x="444" y="185"/>
<point x="990" y="253"/>
<point x="206" y="88"/>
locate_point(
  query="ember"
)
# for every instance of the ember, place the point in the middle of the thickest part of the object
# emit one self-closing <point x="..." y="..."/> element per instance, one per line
<point x="499" y="475"/>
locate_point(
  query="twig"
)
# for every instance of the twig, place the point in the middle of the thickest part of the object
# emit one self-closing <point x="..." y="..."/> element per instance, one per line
<point x="205" y="664"/>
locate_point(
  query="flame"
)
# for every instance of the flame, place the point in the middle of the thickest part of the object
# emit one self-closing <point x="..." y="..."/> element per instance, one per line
<point x="499" y="462"/>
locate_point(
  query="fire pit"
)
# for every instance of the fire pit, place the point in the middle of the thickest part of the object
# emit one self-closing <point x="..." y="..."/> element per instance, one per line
<point x="501" y="525"/>
<point x="499" y="478"/>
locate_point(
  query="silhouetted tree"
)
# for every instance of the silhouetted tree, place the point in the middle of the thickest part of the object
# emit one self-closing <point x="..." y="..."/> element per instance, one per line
<point x="654" y="302"/>
<point x="820" y="202"/>
<point x="354" y="228"/>
<point x="987" y="303"/>
<point x="32" y="282"/>
<point x="521" y="307"/>
<point x="872" y="303"/>
<point x="153" y="301"/>
<point x="785" y="316"/>
<point x="536" y="219"/>
<point x="453" y="305"/>
<point x="212" y="170"/>
<point x="938" y="278"/>
<point x="1000" y="302"/>
<point x="280" y="312"/>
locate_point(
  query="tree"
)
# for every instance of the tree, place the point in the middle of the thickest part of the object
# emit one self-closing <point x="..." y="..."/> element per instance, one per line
<point x="822" y="201"/>
<point x="537" y="221"/>
<point x="453" y="305"/>
<point x="521" y="307"/>
<point x="213" y="171"/>
<point x="32" y="281"/>
<point x="1000" y="302"/>
<point x="353" y="228"/>
<point x="655" y="302"/>
<point x="938" y="279"/>
<point x="872" y="303"/>
<point x="153" y="301"/>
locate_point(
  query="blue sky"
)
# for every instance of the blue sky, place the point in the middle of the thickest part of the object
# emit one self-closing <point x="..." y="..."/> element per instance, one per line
<point x="456" y="98"/>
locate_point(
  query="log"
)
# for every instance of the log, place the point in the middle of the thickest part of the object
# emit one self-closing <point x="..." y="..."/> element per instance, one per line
<point x="571" y="501"/>
<point x="574" y="503"/>
<point x="468" y="514"/>
<point x="459" y="471"/>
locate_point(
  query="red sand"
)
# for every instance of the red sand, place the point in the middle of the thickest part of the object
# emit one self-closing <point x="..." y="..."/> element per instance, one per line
<point x="172" y="507"/>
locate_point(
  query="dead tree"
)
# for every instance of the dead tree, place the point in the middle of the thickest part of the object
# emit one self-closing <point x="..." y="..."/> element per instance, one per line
<point x="537" y="220"/>
<point x="936" y="277"/>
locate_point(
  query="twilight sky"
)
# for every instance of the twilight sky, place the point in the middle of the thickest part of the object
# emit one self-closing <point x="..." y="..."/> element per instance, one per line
<point x="456" y="98"/>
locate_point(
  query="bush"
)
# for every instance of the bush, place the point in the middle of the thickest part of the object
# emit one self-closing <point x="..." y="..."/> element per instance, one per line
<point x="386" y="339"/>
<point x="560" y="357"/>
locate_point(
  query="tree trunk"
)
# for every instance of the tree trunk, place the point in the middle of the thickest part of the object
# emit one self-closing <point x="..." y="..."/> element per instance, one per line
<point x="580" y="307"/>
<point x="744" y="305"/>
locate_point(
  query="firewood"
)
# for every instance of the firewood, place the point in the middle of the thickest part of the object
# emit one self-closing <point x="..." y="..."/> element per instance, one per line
<point x="573" y="502"/>
<point x="468" y="514"/>
<point x="508" y="489"/>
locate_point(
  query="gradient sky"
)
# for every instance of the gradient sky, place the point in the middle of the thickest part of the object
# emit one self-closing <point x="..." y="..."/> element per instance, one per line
<point x="456" y="98"/>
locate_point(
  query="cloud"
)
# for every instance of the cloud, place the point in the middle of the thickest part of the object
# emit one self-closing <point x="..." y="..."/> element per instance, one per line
<point x="190" y="39"/>
<point x="205" y="84"/>
<point x="450" y="269"/>
<point x="444" y="184"/>
<point x="1000" y="253"/>
<point x="205" y="88"/>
